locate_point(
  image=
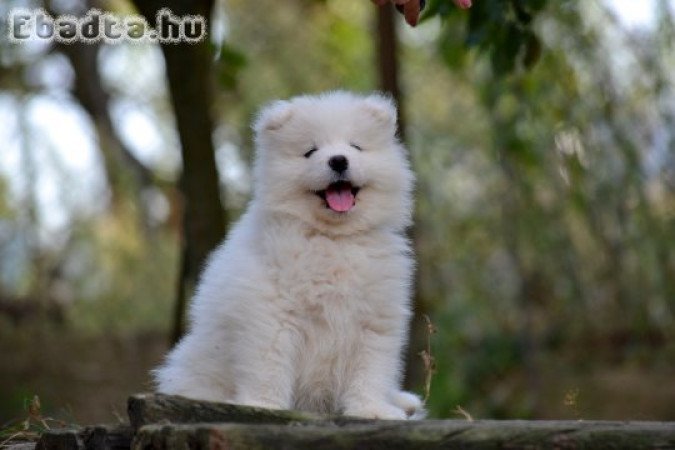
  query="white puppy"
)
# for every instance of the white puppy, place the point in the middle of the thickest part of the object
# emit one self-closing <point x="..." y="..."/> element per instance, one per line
<point x="306" y="305"/>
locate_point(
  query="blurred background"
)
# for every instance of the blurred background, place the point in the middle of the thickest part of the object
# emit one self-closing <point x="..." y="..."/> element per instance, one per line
<point x="542" y="134"/>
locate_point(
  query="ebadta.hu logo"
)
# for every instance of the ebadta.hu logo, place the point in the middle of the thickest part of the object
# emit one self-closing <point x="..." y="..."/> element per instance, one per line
<point x="96" y="25"/>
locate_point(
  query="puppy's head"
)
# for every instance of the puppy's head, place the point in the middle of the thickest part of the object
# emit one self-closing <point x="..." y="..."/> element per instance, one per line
<point x="333" y="161"/>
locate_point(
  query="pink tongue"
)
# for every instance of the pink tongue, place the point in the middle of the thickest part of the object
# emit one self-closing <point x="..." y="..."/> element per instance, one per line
<point x="340" y="199"/>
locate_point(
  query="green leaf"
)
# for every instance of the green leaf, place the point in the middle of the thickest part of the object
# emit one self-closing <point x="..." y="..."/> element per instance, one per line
<point x="229" y="62"/>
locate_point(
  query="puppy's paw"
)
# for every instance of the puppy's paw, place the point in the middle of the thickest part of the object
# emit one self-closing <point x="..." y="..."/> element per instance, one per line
<point x="376" y="410"/>
<point x="410" y="403"/>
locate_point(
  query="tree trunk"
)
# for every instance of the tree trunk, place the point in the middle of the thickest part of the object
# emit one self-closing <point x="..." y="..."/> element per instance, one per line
<point x="189" y="72"/>
<point x="387" y="60"/>
<point x="388" y="74"/>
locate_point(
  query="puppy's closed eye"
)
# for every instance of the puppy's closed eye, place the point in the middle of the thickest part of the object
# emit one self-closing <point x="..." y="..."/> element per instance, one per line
<point x="311" y="150"/>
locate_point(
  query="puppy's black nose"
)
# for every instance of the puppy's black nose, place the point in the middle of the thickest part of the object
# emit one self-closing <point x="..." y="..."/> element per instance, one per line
<point x="338" y="163"/>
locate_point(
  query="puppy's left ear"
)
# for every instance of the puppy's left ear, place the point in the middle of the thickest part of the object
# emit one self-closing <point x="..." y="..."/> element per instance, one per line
<point x="273" y="116"/>
<point x="382" y="109"/>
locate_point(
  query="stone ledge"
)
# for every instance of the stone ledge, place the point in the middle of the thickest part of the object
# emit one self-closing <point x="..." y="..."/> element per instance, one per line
<point x="446" y="434"/>
<point x="161" y="422"/>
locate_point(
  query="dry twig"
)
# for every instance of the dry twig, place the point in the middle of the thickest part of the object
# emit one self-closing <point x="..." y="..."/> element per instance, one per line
<point x="428" y="358"/>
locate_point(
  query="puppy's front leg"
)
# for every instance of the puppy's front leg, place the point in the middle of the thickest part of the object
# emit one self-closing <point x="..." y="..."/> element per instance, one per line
<point x="265" y="368"/>
<point x="375" y="379"/>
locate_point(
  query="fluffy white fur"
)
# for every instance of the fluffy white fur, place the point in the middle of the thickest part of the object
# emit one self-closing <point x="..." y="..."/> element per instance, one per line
<point x="303" y="307"/>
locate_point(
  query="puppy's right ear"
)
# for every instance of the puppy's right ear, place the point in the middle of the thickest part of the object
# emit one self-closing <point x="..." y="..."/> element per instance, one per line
<point x="381" y="108"/>
<point x="273" y="116"/>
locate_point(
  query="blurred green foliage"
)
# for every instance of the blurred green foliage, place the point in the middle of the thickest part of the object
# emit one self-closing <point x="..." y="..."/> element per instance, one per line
<point x="503" y="29"/>
<point x="568" y="238"/>
<point x="229" y="62"/>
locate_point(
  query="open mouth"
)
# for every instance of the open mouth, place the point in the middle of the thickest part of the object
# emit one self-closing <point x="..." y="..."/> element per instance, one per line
<point x="339" y="196"/>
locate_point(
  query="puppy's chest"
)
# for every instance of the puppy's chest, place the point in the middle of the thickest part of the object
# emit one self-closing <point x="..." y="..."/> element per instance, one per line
<point x="325" y="273"/>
